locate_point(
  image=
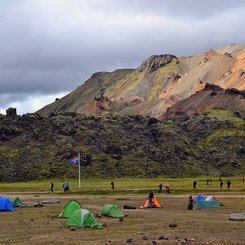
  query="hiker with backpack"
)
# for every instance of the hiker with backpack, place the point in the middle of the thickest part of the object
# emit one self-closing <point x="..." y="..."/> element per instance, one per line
<point x="66" y="187"/>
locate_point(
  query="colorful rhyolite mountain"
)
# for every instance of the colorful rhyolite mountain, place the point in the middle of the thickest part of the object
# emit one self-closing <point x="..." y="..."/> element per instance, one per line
<point x="159" y="83"/>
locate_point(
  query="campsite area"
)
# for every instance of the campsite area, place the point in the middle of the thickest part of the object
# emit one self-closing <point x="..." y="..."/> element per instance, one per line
<point x="40" y="225"/>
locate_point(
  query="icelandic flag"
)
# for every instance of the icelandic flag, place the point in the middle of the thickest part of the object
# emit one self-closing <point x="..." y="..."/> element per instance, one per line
<point x="74" y="160"/>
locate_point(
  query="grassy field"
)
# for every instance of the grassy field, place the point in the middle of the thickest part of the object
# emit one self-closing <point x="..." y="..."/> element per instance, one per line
<point x="126" y="185"/>
<point x="141" y="226"/>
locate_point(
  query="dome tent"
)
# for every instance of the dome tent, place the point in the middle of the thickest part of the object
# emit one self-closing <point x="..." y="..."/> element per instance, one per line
<point x="200" y="197"/>
<point x="83" y="218"/>
<point x="6" y="205"/>
<point x="112" y="211"/>
<point x="70" y="207"/>
<point x="16" y="202"/>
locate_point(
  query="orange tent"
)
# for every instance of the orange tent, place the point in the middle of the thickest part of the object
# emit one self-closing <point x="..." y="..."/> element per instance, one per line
<point x="155" y="202"/>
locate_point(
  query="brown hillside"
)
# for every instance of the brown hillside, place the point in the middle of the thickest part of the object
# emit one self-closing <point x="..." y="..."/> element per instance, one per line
<point x="157" y="84"/>
<point x="211" y="97"/>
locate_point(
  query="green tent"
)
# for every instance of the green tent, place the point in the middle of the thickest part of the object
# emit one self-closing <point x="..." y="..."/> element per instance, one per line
<point x="208" y="204"/>
<point x="112" y="211"/>
<point x="70" y="207"/>
<point x="16" y="202"/>
<point x="83" y="218"/>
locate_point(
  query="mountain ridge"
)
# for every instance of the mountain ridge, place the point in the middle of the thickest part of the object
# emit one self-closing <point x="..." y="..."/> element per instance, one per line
<point x="157" y="84"/>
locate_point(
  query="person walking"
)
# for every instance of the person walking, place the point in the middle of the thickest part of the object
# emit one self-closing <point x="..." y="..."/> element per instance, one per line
<point x="51" y="187"/>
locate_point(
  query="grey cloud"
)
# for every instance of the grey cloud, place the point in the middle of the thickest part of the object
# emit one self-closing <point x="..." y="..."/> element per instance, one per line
<point x="6" y="99"/>
<point x="193" y="9"/>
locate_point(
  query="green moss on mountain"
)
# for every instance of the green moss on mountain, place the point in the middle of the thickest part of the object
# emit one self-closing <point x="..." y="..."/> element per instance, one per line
<point x="96" y="85"/>
<point x="113" y="146"/>
<point x="224" y="115"/>
<point x="126" y="85"/>
<point x="161" y="77"/>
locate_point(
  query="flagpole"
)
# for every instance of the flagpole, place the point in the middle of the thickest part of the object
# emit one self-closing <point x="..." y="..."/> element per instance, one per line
<point x="79" y="172"/>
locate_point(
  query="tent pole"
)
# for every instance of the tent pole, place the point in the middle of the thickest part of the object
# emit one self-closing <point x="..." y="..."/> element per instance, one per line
<point x="79" y="172"/>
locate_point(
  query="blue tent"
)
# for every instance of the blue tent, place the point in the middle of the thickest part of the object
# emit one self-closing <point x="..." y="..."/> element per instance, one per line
<point x="200" y="197"/>
<point x="6" y="205"/>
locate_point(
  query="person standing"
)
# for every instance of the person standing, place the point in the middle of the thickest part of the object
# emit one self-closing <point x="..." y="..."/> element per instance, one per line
<point x="228" y="184"/>
<point x="167" y="187"/>
<point x="150" y="197"/>
<point x="160" y="188"/>
<point x="194" y="184"/>
<point x="190" y="204"/>
<point x="221" y="184"/>
<point x="52" y="187"/>
<point x="112" y="185"/>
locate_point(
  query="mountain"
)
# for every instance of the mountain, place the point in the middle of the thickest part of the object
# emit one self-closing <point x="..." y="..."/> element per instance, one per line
<point x="211" y="97"/>
<point x="172" y="117"/>
<point x="36" y="147"/>
<point x="157" y="84"/>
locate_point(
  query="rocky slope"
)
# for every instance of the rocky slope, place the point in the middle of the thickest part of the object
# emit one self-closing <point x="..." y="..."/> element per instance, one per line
<point x="211" y="97"/>
<point x="36" y="147"/>
<point x="157" y="84"/>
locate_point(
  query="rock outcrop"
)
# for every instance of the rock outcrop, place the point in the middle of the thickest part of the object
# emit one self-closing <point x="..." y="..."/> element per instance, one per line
<point x="211" y="97"/>
<point x="155" y="62"/>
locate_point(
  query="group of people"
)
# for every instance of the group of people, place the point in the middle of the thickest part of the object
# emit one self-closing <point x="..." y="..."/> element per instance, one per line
<point x="228" y="184"/>
<point x="66" y="187"/>
<point x="209" y="181"/>
<point x="167" y="188"/>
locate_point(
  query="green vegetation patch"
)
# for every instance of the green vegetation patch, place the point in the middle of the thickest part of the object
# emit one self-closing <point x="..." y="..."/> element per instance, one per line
<point x="225" y="115"/>
<point x="221" y="134"/>
<point x="126" y="85"/>
<point x="162" y="75"/>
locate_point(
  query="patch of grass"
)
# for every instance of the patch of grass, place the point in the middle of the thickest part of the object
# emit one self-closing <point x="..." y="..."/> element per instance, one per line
<point x="162" y="76"/>
<point x="124" y="186"/>
<point x="225" y="115"/>
<point x="221" y="134"/>
<point x="126" y="85"/>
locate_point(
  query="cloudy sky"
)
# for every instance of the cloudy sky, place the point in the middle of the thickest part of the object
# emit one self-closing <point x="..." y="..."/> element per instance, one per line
<point x="49" y="47"/>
